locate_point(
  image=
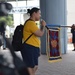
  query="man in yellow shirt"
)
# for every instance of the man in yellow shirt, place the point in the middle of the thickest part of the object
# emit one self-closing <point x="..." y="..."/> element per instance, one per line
<point x="31" y="48"/>
<point x="29" y="28"/>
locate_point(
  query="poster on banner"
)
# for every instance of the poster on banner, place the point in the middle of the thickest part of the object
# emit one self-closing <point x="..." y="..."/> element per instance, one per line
<point x="53" y="44"/>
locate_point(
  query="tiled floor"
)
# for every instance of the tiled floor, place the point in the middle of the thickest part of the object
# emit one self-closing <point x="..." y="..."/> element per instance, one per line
<point x="65" y="67"/>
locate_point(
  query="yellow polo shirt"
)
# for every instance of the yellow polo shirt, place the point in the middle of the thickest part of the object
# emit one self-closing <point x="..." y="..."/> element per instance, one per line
<point x="29" y="28"/>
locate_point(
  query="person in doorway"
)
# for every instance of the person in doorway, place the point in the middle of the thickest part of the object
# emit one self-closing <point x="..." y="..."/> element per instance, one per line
<point x="31" y="48"/>
<point x="73" y="35"/>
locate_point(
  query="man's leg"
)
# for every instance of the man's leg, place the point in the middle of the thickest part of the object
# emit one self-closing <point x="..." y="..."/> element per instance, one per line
<point x="4" y="44"/>
<point x="31" y="71"/>
<point x="35" y="69"/>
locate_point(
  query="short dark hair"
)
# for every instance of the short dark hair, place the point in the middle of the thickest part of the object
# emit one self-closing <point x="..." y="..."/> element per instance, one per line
<point x="33" y="10"/>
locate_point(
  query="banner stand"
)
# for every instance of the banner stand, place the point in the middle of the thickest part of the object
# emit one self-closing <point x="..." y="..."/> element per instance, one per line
<point x="53" y="48"/>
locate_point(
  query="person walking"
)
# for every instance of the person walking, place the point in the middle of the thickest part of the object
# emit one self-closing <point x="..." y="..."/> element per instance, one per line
<point x="73" y="36"/>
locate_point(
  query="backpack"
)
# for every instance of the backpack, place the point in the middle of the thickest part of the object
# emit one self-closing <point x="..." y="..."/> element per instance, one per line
<point x="17" y="38"/>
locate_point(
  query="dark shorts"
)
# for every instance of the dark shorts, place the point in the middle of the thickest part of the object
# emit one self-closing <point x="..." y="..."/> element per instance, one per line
<point x="30" y="55"/>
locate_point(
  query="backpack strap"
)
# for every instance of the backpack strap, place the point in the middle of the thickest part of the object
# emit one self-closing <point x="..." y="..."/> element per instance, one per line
<point x="28" y="38"/>
<point x="31" y="34"/>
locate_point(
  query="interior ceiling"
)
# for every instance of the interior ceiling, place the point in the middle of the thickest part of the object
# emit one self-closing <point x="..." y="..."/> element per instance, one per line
<point x="14" y="0"/>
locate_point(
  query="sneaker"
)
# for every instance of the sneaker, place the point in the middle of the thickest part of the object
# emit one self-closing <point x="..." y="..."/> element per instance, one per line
<point x="73" y="50"/>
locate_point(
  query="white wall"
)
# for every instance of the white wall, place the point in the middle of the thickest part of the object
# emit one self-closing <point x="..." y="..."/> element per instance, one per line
<point x="70" y="12"/>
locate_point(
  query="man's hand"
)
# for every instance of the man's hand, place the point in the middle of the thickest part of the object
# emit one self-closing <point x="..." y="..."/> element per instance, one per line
<point x="40" y="32"/>
<point x="43" y="23"/>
